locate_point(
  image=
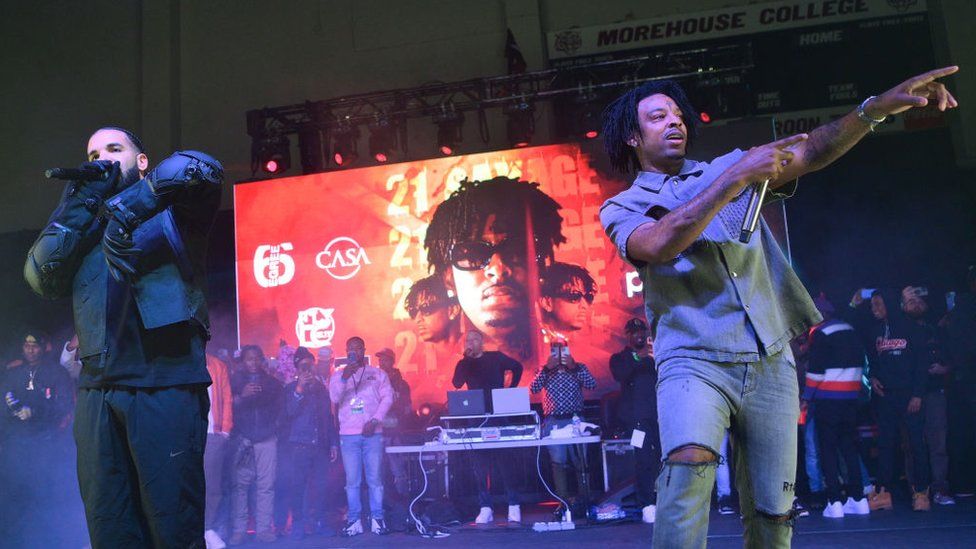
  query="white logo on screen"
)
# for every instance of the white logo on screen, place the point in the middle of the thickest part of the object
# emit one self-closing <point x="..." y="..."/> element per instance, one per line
<point x="342" y="258"/>
<point x="315" y="327"/>
<point x="273" y="267"/>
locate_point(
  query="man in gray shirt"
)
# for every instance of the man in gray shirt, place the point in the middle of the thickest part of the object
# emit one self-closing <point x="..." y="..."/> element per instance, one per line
<point x="722" y="312"/>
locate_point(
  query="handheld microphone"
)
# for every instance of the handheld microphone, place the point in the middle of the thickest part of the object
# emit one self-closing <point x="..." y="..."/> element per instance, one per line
<point x="86" y="172"/>
<point x="751" y="221"/>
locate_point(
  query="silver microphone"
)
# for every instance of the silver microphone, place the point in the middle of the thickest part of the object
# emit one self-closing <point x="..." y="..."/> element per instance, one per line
<point x="752" y="214"/>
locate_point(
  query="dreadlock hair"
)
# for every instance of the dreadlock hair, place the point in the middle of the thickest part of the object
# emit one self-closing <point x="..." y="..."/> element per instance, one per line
<point x="432" y="285"/>
<point x="463" y="214"/>
<point x="558" y="275"/>
<point x="132" y="137"/>
<point x="620" y="122"/>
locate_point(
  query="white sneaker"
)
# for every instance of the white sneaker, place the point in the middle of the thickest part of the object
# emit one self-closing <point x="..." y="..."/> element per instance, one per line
<point x="834" y="510"/>
<point x="486" y="516"/>
<point x="213" y="540"/>
<point x="869" y="489"/>
<point x="353" y="528"/>
<point x="857" y="507"/>
<point x="648" y="514"/>
<point x="515" y="513"/>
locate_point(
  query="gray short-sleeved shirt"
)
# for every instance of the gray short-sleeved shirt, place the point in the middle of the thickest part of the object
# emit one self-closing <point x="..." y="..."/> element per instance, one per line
<point x="719" y="300"/>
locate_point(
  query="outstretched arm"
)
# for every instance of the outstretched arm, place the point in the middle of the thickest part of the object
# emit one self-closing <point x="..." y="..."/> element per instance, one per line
<point x="830" y="141"/>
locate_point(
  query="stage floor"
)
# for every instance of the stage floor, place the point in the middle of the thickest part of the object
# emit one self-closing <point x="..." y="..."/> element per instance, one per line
<point x="943" y="527"/>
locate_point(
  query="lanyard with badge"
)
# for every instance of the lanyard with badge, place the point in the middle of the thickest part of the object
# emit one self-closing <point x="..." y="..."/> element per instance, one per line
<point x="356" y="403"/>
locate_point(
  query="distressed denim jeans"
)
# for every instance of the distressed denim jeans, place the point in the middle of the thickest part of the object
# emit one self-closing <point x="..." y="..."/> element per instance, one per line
<point x="759" y="402"/>
<point x="363" y="454"/>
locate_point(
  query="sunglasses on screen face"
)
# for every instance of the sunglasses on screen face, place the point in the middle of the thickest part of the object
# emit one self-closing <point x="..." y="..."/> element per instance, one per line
<point x="426" y="309"/>
<point x="475" y="255"/>
<point x="575" y="297"/>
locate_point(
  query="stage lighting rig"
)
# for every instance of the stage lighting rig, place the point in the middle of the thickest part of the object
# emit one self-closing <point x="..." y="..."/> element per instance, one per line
<point x="520" y="126"/>
<point x="449" y="123"/>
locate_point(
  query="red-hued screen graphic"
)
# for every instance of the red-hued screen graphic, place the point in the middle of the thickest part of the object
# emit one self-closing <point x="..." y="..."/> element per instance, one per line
<point x="324" y="257"/>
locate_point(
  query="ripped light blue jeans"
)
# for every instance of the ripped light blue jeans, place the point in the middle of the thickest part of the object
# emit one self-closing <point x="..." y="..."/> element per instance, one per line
<point x="759" y="402"/>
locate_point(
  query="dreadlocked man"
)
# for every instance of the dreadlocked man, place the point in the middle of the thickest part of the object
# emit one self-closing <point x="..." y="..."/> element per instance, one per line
<point x="722" y="312"/>
<point x="479" y="243"/>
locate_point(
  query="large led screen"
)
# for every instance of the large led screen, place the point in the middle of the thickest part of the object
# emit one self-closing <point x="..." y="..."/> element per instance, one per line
<point x="410" y="256"/>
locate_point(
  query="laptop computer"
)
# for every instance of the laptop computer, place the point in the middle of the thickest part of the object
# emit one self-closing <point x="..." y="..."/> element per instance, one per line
<point x="510" y="401"/>
<point x="466" y="403"/>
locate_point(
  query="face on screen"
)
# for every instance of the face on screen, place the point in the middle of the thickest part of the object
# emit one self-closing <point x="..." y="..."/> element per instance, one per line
<point x="491" y="287"/>
<point x="568" y="309"/>
<point x="434" y="317"/>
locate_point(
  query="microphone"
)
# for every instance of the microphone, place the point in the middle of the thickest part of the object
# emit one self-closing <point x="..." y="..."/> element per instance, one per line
<point x="85" y="172"/>
<point x="751" y="220"/>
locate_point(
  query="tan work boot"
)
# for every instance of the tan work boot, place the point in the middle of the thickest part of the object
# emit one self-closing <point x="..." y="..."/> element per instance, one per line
<point x="920" y="501"/>
<point x="879" y="501"/>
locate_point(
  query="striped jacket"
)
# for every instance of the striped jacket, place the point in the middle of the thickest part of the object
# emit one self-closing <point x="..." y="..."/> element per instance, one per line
<point x="836" y="362"/>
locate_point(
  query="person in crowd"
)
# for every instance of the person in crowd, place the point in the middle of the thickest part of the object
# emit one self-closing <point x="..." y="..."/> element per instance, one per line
<point x="567" y="294"/>
<point x="220" y="423"/>
<point x="479" y="242"/>
<point x="724" y="307"/>
<point x="35" y="463"/>
<point x="396" y="420"/>
<point x="633" y="367"/>
<point x="308" y="440"/>
<point x="835" y="364"/>
<point x="960" y="333"/>
<point x="899" y="375"/>
<point x="914" y="304"/>
<point x="485" y="370"/>
<point x="257" y="403"/>
<point x="563" y="380"/>
<point x="362" y="395"/>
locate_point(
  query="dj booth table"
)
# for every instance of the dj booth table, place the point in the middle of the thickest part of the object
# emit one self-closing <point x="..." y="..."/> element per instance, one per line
<point x="438" y="447"/>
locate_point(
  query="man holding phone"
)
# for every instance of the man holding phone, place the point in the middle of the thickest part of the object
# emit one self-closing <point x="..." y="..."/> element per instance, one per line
<point x="633" y="367"/>
<point x="563" y="380"/>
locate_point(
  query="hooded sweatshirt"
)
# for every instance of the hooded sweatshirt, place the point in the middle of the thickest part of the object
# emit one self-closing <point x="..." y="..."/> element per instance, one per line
<point x="366" y="395"/>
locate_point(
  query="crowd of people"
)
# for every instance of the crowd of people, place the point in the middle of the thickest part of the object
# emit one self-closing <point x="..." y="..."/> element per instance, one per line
<point x="887" y="401"/>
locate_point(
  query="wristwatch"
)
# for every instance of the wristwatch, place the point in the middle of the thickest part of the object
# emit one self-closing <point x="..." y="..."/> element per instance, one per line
<point x="864" y="116"/>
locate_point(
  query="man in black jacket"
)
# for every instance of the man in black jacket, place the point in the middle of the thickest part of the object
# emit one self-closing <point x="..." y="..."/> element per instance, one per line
<point x="309" y="443"/>
<point x="129" y="247"/>
<point x="633" y="367"/>
<point x="257" y="404"/>
<point x="899" y="372"/>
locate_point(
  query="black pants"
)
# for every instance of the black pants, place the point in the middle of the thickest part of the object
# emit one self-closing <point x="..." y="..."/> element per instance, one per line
<point x="893" y="413"/>
<point x="481" y="462"/>
<point x="301" y="466"/>
<point x="836" y="426"/>
<point x="647" y="462"/>
<point x="140" y="465"/>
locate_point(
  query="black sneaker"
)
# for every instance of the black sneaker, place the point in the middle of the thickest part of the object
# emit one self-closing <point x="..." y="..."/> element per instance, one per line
<point x="725" y="506"/>
<point x="379" y="527"/>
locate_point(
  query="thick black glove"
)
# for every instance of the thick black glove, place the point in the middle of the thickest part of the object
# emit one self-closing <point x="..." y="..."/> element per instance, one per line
<point x="119" y="249"/>
<point x="104" y="187"/>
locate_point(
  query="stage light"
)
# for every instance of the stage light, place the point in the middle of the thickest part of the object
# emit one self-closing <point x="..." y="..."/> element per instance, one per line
<point x="705" y="117"/>
<point x="382" y="139"/>
<point x="449" y="129"/>
<point x="520" y="125"/>
<point x="272" y="153"/>
<point x="589" y="119"/>
<point x="345" y="149"/>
